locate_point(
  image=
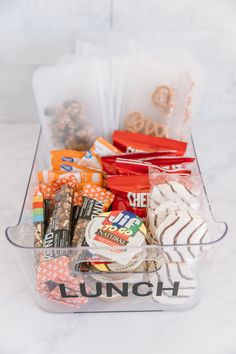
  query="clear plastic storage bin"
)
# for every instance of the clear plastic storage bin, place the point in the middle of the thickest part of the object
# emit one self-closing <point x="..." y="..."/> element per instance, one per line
<point x="156" y="285"/>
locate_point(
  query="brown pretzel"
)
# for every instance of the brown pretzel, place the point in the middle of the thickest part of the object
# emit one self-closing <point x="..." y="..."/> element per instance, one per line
<point x="162" y="98"/>
<point x="155" y="129"/>
<point x="135" y="122"/>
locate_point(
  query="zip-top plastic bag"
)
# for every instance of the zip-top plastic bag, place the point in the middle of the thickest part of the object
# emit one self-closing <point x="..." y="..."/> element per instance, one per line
<point x="116" y="57"/>
<point x="73" y="104"/>
<point x="115" y="86"/>
<point x="175" y="214"/>
<point x="159" y="93"/>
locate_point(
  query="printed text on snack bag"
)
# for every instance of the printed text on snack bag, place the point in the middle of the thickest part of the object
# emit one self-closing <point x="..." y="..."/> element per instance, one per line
<point x="137" y="200"/>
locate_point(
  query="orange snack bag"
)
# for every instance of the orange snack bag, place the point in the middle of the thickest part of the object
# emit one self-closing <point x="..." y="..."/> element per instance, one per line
<point x="70" y="167"/>
<point x="101" y="147"/>
<point x="66" y="155"/>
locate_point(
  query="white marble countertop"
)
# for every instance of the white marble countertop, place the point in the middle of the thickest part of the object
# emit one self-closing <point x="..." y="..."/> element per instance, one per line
<point x="208" y="328"/>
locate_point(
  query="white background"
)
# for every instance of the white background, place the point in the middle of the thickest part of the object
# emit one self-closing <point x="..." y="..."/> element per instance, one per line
<point x="39" y="32"/>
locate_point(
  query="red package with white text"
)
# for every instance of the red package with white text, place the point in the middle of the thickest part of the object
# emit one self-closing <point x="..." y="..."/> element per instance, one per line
<point x="136" y="142"/>
<point x="109" y="162"/>
<point x="134" y="167"/>
<point x="131" y="193"/>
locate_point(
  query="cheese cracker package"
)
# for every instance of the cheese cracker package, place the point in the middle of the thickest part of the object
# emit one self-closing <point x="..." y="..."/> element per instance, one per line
<point x="109" y="162"/>
<point x="171" y="165"/>
<point x="136" y="142"/>
<point x="131" y="193"/>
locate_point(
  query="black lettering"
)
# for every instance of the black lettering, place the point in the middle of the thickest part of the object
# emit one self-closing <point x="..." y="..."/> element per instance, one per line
<point x="84" y="291"/>
<point x="97" y="208"/>
<point x="49" y="240"/>
<point x="160" y="288"/>
<point x="123" y="292"/>
<point x="136" y="287"/>
<point x="63" y="291"/>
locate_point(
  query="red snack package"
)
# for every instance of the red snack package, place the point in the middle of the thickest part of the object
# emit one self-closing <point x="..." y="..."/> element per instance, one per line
<point x="172" y="164"/>
<point x="135" y="142"/>
<point x="169" y="160"/>
<point x="109" y="162"/>
<point x="131" y="193"/>
<point x="173" y="170"/>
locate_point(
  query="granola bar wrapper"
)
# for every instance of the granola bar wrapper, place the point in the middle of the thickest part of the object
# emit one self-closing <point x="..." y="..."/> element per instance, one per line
<point x="53" y="279"/>
<point x="47" y="212"/>
<point x="51" y="181"/>
<point x="96" y="200"/>
<point x="77" y="203"/>
<point x="38" y="218"/>
<point x="58" y="233"/>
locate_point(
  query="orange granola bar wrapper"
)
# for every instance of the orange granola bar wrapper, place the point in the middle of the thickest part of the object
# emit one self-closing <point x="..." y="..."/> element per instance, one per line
<point x="78" y="198"/>
<point x="50" y="181"/>
<point x="98" y="193"/>
<point x="48" y="188"/>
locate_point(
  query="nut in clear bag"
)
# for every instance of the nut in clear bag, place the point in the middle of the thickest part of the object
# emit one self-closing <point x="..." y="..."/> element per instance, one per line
<point x="72" y="103"/>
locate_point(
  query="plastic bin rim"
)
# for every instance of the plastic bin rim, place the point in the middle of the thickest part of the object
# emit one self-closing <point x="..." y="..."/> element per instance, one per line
<point x="117" y="247"/>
